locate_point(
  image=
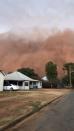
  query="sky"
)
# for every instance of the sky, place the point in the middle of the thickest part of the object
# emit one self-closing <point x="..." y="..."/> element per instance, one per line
<point x="29" y="14"/>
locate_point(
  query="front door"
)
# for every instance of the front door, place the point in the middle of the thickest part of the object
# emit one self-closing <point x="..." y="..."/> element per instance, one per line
<point x="26" y="84"/>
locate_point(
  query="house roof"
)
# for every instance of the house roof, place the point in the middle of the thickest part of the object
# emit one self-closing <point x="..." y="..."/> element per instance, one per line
<point x="45" y="78"/>
<point x="18" y="76"/>
<point x="3" y="73"/>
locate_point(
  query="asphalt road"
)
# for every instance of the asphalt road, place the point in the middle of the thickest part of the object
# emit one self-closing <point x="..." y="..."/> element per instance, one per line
<point x="58" y="116"/>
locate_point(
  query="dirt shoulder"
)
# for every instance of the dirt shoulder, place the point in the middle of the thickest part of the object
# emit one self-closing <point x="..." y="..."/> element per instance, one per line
<point x="16" y="104"/>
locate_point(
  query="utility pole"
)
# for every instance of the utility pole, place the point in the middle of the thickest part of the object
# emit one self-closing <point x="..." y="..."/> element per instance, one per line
<point x="70" y="76"/>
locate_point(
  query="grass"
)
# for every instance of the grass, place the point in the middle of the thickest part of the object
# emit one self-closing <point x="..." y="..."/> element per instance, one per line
<point x="12" y="93"/>
<point x="35" y="106"/>
<point x="15" y="104"/>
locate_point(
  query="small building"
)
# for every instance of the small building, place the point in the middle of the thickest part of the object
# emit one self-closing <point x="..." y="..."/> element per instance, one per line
<point x="45" y="78"/>
<point x="2" y="76"/>
<point x="48" y="84"/>
<point x="24" y="82"/>
<point x="45" y="82"/>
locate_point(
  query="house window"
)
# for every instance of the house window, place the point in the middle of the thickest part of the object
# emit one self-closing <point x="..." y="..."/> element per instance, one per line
<point x="6" y="83"/>
<point x="20" y="83"/>
<point x="34" y="83"/>
<point x="13" y="82"/>
<point x="26" y="83"/>
<point x="31" y="82"/>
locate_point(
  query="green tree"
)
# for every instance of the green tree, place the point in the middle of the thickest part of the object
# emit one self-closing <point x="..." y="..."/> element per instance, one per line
<point x="29" y="72"/>
<point x="72" y="78"/>
<point x="65" y="80"/>
<point x="69" y="67"/>
<point x="51" y="72"/>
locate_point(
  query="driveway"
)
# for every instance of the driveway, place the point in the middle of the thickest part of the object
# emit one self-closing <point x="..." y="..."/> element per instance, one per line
<point x="58" y="116"/>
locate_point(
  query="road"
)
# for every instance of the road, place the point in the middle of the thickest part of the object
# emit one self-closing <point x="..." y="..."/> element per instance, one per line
<point x="58" y="116"/>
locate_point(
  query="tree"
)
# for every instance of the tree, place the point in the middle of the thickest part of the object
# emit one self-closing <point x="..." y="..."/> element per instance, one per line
<point x="65" y="80"/>
<point x="29" y="72"/>
<point x="69" y="67"/>
<point x="72" y="78"/>
<point x="51" y="72"/>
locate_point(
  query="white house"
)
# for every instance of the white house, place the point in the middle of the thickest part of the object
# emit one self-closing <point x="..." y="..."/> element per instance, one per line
<point x="2" y="76"/>
<point x="24" y="82"/>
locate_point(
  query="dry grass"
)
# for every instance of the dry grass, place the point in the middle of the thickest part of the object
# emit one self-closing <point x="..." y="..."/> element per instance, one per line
<point x="15" y="104"/>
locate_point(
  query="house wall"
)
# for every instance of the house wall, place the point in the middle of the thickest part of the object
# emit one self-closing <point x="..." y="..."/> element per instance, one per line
<point x="24" y="86"/>
<point x="1" y="81"/>
<point x="27" y="85"/>
<point x="39" y="84"/>
<point x="36" y="84"/>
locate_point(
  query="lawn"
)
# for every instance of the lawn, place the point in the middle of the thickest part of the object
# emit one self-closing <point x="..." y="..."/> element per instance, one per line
<point x="15" y="104"/>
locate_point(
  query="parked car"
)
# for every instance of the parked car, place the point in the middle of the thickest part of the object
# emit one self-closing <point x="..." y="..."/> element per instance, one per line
<point x="11" y="87"/>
